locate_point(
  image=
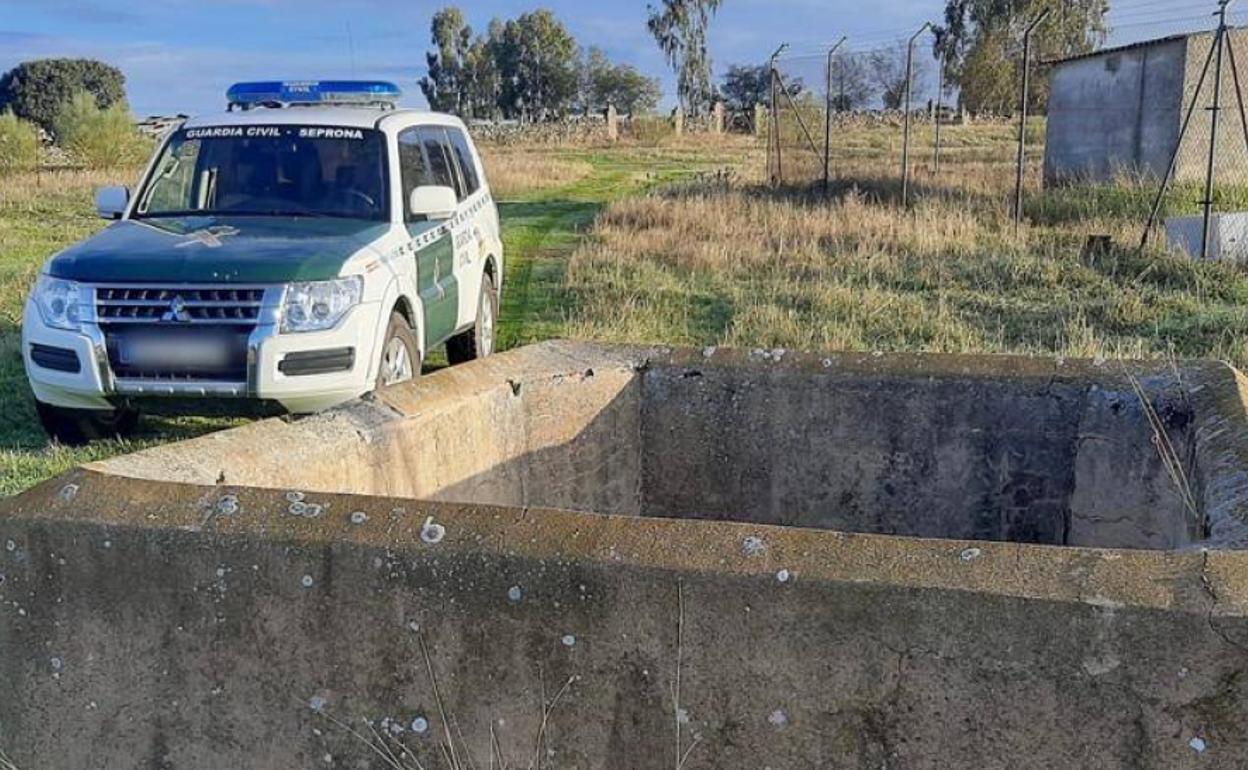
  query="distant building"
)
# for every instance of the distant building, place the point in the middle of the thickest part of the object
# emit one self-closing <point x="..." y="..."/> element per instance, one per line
<point x="157" y="126"/>
<point x="1119" y="110"/>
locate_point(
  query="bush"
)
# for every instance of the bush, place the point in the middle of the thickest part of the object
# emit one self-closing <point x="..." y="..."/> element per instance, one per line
<point x="19" y="144"/>
<point x="99" y="138"/>
<point x="35" y="90"/>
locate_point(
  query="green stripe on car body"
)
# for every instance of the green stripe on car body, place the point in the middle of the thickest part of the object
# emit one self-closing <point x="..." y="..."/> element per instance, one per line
<point x="438" y="288"/>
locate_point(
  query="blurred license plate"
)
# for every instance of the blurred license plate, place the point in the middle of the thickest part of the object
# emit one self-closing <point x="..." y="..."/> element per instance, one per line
<point x="174" y="351"/>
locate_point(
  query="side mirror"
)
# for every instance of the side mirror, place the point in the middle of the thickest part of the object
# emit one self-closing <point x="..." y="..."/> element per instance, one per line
<point x="433" y="203"/>
<point x="111" y="202"/>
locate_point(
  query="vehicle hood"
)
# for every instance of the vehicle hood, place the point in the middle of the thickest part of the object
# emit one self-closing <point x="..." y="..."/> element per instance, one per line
<point x="218" y="250"/>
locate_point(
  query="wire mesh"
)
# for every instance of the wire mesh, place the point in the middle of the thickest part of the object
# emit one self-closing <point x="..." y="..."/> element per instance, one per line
<point x="1109" y="120"/>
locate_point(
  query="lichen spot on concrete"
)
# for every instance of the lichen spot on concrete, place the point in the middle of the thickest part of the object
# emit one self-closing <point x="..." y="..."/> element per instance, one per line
<point x="306" y="581"/>
<point x="753" y="546"/>
<point x="69" y="492"/>
<point x="778" y="718"/>
<point x="569" y="640"/>
<point x="420" y="725"/>
<point x="971" y="554"/>
<point x="432" y="533"/>
<point x="1198" y="745"/>
<point x="515" y="594"/>
<point x="294" y="497"/>
<point x="359" y="517"/>
<point x="227" y="505"/>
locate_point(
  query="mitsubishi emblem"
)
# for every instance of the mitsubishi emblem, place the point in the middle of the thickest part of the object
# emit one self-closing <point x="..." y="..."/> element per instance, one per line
<point x="176" y="312"/>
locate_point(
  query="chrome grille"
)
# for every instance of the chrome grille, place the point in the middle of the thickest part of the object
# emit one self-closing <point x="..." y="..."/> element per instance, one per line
<point x="218" y="305"/>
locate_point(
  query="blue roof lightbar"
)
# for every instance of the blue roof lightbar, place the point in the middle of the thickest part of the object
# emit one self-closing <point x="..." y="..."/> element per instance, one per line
<point x="283" y="93"/>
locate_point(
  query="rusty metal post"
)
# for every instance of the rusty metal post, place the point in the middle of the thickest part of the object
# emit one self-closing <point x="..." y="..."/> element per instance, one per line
<point x="905" y="138"/>
<point x="827" y="120"/>
<point x="1022" y="119"/>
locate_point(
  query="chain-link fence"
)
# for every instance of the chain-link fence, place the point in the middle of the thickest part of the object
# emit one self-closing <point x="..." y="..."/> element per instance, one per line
<point x="1130" y="128"/>
<point x="883" y="120"/>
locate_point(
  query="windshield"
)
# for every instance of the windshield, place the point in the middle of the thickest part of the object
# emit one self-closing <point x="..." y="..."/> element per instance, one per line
<point x="269" y="171"/>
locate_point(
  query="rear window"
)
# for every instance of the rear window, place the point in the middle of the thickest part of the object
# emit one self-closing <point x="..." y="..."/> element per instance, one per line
<point x="463" y="153"/>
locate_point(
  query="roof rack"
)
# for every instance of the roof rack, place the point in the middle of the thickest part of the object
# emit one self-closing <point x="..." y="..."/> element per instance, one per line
<point x="304" y="93"/>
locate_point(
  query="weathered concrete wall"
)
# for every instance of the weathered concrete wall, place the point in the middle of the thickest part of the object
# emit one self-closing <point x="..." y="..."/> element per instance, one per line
<point x="1122" y="112"/>
<point x="221" y="603"/>
<point x="990" y="448"/>
<point x="171" y="626"/>
<point x="1115" y="113"/>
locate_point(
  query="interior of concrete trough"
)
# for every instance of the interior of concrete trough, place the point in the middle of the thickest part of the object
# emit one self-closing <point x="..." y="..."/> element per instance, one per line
<point x="980" y="448"/>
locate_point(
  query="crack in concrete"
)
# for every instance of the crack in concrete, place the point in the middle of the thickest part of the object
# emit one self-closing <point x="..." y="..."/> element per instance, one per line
<point x="1212" y="593"/>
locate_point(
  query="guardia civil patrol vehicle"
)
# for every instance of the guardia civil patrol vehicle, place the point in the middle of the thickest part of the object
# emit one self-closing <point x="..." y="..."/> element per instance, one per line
<point x="310" y="244"/>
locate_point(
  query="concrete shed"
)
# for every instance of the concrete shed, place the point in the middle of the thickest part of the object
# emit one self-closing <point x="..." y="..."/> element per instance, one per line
<point x="1119" y="110"/>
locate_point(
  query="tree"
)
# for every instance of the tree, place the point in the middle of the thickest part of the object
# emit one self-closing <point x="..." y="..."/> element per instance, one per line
<point x="989" y="77"/>
<point x="446" y="86"/>
<point x="746" y="85"/>
<point x="537" y="61"/>
<point x="603" y="82"/>
<point x="851" y="83"/>
<point x="993" y="29"/>
<point x="887" y="67"/>
<point x="36" y="90"/>
<point x="679" y="27"/>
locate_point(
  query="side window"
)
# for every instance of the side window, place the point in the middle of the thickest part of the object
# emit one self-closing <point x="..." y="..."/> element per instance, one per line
<point x="463" y="154"/>
<point x="412" y="167"/>
<point x="175" y="185"/>
<point x="441" y="167"/>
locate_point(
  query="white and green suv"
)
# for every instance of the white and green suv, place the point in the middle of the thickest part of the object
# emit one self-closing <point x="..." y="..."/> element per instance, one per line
<point x="310" y="244"/>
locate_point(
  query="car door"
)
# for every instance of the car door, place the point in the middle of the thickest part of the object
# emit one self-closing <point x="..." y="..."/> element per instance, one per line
<point x="424" y="159"/>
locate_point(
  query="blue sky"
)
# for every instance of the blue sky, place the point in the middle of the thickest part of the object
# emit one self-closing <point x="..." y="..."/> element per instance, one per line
<point x="180" y="55"/>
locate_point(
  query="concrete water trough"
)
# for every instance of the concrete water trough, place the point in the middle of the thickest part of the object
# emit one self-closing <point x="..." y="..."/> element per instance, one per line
<point x="578" y="556"/>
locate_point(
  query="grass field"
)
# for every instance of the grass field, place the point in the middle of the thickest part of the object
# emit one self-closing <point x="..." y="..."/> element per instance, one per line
<point x="681" y="243"/>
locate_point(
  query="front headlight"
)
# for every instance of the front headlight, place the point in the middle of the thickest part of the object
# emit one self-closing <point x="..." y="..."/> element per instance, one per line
<point x="318" y="305"/>
<point x="58" y="302"/>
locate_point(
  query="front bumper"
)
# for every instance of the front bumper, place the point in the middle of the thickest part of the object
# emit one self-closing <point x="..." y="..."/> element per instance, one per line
<point x="95" y="385"/>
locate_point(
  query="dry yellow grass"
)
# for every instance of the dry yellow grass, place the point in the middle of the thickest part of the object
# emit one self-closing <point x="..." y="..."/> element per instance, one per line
<point x="516" y="171"/>
<point x="736" y="264"/>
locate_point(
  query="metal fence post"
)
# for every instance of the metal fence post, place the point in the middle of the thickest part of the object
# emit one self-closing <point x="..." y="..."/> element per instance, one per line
<point x="1214" y="113"/>
<point x="905" y="138"/>
<point x="773" y="117"/>
<point x="827" y="120"/>
<point x="1022" y="119"/>
<point x="940" y="94"/>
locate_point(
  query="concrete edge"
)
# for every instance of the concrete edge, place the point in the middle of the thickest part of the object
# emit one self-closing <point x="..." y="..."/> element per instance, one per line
<point x="1201" y="582"/>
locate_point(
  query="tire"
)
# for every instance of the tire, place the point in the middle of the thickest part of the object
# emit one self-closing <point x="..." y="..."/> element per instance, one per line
<point x="477" y="342"/>
<point x="400" y="355"/>
<point x="77" y="427"/>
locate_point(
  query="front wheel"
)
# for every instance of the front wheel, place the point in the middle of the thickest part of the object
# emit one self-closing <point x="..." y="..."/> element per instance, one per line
<point x="76" y="427"/>
<point x="477" y="342"/>
<point x="400" y="355"/>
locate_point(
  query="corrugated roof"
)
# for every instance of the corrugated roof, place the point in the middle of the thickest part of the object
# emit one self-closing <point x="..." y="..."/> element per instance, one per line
<point x="1132" y="46"/>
